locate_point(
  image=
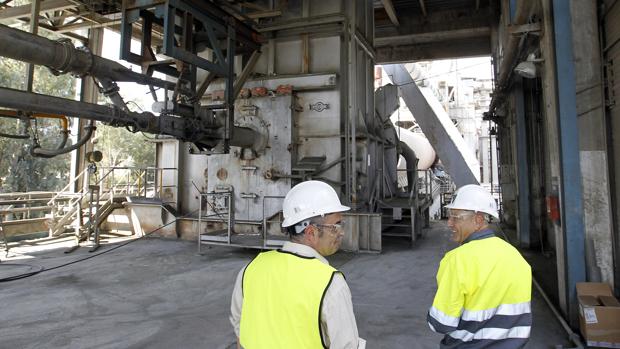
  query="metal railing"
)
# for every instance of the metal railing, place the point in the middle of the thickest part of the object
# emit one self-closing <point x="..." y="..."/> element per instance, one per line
<point x="222" y="213"/>
<point x="144" y="182"/>
<point x="17" y="206"/>
<point x="33" y="210"/>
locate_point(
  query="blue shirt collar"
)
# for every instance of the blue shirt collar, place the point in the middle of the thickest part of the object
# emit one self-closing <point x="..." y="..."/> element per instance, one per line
<point x="479" y="235"/>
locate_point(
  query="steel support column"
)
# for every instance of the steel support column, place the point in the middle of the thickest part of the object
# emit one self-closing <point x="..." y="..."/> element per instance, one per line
<point x="89" y="94"/>
<point x="34" y="29"/>
<point x="570" y="172"/>
<point x="523" y="181"/>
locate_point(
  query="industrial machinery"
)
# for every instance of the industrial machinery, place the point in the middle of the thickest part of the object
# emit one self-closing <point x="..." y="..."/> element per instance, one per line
<point x="252" y="109"/>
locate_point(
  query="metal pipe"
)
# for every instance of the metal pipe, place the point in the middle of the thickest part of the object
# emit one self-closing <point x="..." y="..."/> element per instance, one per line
<point x="37" y="151"/>
<point x="190" y="130"/>
<point x="62" y="57"/>
<point x="49" y="153"/>
<point x="523" y="12"/>
<point x="412" y="163"/>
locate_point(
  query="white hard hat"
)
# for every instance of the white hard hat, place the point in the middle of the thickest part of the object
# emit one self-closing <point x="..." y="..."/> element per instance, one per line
<point x="310" y="199"/>
<point x="473" y="197"/>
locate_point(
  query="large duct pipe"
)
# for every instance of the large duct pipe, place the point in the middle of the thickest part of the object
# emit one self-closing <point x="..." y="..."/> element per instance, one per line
<point x="421" y="147"/>
<point x="185" y="129"/>
<point x="412" y="164"/>
<point x="61" y="56"/>
<point x="523" y="12"/>
<point x="390" y="160"/>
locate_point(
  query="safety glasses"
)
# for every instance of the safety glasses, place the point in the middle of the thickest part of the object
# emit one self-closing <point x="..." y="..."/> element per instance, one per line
<point x="333" y="228"/>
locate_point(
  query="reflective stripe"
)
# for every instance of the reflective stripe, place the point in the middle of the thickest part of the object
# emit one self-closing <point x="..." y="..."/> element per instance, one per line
<point x="438" y="327"/>
<point x="443" y="318"/>
<point x="497" y="321"/>
<point x="504" y="309"/>
<point x="508" y="343"/>
<point x="492" y="333"/>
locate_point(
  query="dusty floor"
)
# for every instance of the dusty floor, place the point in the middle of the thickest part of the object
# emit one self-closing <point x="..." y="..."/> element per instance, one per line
<point x="156" y="293"/>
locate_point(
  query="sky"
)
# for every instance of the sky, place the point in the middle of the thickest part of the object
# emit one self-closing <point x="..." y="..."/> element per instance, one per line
<point x="130" y="91"/>
<point x="479" y="67"/>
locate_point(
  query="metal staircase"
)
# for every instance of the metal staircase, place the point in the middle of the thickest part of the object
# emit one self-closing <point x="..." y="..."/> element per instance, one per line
<point x="83" y="212"/>
<point x="404" y="216"/>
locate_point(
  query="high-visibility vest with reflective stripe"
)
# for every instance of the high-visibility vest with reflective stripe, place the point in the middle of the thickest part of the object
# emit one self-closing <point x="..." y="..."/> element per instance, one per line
<point x="483" y="296"/>
<point x="282" y="297"/>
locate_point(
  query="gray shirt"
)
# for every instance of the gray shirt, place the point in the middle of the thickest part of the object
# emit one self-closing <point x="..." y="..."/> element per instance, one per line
<point x="337" y="319"/>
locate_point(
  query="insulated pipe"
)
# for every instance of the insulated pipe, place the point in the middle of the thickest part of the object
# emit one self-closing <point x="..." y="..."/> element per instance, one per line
<point x="412" y="164"/>
<point x="523" y="12"/>
<point x="511" y="50"/>
<point x="185" y="129"/>
<point x="390" y="160"/>
<point x="61" y="56"/>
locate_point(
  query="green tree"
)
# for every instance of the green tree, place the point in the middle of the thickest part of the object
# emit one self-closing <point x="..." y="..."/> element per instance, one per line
<point x="123" y="148"/>
<point x="20" y="171"/>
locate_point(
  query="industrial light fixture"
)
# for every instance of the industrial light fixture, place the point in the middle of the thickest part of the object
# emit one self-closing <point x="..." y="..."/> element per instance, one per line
<point x="527" y="68"/>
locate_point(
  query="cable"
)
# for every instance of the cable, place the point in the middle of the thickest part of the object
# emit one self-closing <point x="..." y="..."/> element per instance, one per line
<point x="21" y="276"/>
<point x="436" y="75"/>
<point x="43" y="269"/>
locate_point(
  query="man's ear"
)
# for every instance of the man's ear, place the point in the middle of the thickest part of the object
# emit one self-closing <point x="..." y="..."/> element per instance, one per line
<point x="310" y="231"/>
<point x="480" y="219"/>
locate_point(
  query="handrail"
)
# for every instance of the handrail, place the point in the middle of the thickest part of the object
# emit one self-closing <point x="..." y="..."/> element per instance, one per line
<point x="66" y="188"/>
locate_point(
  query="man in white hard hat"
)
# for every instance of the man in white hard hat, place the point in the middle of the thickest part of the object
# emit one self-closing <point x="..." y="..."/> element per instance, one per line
<point x="484" y="286"/>
<point x="293" y="298"/>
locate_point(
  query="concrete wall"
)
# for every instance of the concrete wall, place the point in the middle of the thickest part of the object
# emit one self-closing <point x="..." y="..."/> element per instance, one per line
<point x="541" y="114"/>
<point x="592" y="134"/>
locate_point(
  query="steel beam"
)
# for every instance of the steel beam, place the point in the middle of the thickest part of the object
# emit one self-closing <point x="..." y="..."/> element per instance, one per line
<point x="423" y="7"/>
<point x="35" y="7"/>
<point x="571" y="196"/>
<point x="87" y="25"/>
<point x="437" y="36"/>
<point x="522" y="164"/>
<point x="249" y="68"/>
<point x="24" y="11"/>
<point x="391" y="12"/>
<point x="437" y="50"/>
<point x="459" y="160"/>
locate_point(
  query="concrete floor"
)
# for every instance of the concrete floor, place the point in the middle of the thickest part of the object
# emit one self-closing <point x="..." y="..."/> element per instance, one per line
<point x="161" y="294"/>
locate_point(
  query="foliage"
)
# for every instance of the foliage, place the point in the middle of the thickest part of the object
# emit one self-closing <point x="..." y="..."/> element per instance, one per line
<point x="19" y="171"/>
<point x="123" y="148"/>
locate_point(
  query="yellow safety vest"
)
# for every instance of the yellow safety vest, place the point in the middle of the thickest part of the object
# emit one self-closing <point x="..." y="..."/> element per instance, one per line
<point x="484" y="290"/>
<point x="282" y="297"/>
